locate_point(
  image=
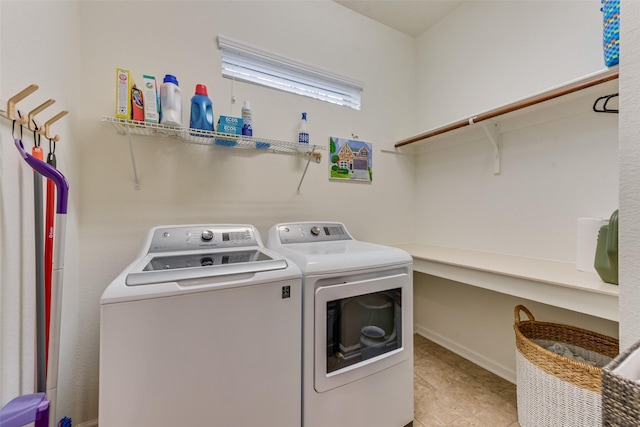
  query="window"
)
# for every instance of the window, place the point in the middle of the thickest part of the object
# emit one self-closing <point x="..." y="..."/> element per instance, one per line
<point x="247" y="63"/>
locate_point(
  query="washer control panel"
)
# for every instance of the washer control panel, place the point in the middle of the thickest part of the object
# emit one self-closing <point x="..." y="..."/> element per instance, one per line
<point x="306" y="232"/>
<point x="188" y="237"/>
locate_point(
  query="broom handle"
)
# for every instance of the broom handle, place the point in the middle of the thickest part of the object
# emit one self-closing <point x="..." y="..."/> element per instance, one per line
<point x="41" y="336"/>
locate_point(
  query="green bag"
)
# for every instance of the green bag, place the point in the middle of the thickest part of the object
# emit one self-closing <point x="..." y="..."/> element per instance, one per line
<point x="606" y="262"/>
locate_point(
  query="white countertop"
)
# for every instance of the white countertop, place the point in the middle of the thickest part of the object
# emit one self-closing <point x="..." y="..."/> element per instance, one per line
<point x="551" y="282"/>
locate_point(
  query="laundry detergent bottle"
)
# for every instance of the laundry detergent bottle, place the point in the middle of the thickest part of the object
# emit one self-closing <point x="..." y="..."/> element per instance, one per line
<point x="201" y="110"/>
<point x="170" y="102"/>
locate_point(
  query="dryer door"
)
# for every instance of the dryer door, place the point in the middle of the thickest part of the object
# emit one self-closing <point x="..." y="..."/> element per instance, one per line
<point x="360" y="328"/>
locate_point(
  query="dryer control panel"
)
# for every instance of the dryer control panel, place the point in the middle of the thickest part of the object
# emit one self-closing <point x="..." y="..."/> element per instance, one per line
<point x="307" y="232"/>
<point x="188" y="237"/>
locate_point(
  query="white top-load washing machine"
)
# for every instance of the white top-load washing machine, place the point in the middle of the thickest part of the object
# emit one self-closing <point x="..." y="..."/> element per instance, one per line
<point x="202" y="329"/>
<point x="357" y="326"/>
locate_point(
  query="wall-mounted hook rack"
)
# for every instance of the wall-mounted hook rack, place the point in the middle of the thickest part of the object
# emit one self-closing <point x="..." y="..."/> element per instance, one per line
<point x="11" y="104"/>
<point x="28" y="120"/>
<point x="44" y="130"/>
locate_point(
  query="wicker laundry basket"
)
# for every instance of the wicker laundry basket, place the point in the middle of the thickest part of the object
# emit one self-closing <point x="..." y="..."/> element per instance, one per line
<point x="554" y="390"/>
<point x="621" y="389"/>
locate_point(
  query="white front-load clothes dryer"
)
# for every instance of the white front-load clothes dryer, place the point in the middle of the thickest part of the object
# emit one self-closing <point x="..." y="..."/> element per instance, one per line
<point x="357" y="355"/>
<point x="202" y="329"/>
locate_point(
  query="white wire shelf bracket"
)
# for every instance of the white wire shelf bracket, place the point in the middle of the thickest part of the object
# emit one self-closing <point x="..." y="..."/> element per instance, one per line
<point x="203" y="137"/>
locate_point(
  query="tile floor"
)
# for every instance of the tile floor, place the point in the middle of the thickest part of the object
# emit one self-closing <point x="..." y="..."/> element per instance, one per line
<point x="451" y="391"/>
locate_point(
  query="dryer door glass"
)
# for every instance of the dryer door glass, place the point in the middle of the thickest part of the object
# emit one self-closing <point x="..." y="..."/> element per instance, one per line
<point x="362" y="327"/>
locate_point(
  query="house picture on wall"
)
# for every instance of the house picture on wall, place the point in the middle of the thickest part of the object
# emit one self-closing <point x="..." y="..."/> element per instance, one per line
<point x="350" y="159"/>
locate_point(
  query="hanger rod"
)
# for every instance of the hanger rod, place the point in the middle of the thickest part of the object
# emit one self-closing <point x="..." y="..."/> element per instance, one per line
<point x="537" y="99"/>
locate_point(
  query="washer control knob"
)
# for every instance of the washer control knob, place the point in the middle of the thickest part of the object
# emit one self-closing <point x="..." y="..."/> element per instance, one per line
<point x="207" y="235"/>
<point x="315" y="230"/>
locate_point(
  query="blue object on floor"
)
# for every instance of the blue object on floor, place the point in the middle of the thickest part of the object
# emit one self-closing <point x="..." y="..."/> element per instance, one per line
<point x="65" y="422"/>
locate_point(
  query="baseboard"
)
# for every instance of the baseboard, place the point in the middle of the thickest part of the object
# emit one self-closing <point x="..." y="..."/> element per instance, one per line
<point x="488" y="364"/>
<point x="92" y="423"/>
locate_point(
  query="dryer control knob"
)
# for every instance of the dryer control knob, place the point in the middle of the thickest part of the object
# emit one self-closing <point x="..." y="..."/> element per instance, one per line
<point x="315" y="230"/>
<point x="207" y="235"/>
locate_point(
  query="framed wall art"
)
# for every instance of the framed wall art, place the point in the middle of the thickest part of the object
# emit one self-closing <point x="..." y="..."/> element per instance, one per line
<point x="350" y="160"/>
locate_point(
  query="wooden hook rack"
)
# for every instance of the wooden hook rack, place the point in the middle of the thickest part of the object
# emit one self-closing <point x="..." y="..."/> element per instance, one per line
<point x="28" y="120"/>
<point x="31" y="123"/>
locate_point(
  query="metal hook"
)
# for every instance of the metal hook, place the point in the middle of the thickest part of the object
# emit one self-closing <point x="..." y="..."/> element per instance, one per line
<point x="13" y="126"/>
<point x="51" y="157"/>
<point x="36" y="135"/>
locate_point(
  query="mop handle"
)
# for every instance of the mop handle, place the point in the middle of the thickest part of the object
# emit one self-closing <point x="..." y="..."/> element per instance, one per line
<point x="50" y="172"/>
<point x="55" y="321"/>
<point x="58" y="263"/>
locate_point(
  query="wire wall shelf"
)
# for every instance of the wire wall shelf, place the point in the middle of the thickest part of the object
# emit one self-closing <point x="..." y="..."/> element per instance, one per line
<point x="213" y="139"/>
<point x="203" y="137"/>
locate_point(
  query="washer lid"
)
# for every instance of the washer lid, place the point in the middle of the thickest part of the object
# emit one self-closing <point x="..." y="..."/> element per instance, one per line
<point x="346" y="255"/>
<point x="184" y="265"/>
<point x="325" y="247"/>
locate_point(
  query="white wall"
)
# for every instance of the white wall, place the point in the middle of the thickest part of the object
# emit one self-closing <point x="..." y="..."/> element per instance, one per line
<point x="558" y="163"/>
<point x="629" y="175"/>
<point x="39" y="44"/>
<point x="486" y="54"/>
<point x="182" y="183"/>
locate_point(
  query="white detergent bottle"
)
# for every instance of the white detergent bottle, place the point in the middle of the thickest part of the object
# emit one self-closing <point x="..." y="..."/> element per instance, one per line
<point x="170" y="102"/>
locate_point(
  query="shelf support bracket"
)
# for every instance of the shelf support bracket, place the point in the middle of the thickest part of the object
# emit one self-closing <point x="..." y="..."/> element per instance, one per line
<point x="312" y="155"/>
<point x="494" y="138"/>
<point x="133" y="159"/>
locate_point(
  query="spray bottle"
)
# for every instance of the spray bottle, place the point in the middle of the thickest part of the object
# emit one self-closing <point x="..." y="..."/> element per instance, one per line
<point x="303" y="134"/>
<point x="247" y="129"/>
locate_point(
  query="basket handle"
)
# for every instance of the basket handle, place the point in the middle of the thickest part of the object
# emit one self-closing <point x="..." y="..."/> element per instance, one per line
<point x="518" y="309"/>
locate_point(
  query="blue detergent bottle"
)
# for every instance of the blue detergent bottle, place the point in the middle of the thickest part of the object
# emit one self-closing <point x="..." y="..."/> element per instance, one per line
<point x="201" y="110"/>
